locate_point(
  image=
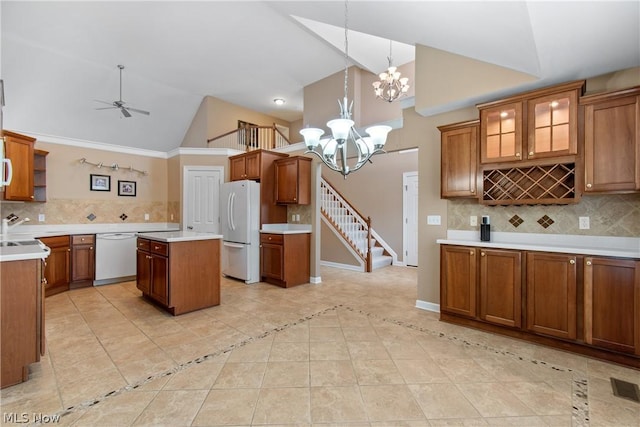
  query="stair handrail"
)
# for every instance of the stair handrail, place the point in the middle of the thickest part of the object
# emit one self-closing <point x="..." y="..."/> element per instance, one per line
<point x="260" y="137"/>
<point x="366" y="254"/>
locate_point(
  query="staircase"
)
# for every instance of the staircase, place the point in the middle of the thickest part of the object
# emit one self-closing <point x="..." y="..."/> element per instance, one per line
<point x="354" y="230"/>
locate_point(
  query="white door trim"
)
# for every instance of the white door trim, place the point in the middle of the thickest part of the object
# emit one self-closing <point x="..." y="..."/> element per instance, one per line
<point x="406" y="178"/>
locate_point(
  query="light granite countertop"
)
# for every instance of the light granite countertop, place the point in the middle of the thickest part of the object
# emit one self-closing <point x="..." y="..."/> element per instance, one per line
<point x="179" y="236"/>
<point x="286" y="228"/>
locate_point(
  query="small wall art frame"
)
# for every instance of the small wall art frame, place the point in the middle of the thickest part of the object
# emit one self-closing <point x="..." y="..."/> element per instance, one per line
<point x="100" y="182"/>
<point x="126" y="188"/>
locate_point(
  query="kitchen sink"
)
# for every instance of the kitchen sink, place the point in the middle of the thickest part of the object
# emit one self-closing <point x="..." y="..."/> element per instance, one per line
<point x="19" y="243"/>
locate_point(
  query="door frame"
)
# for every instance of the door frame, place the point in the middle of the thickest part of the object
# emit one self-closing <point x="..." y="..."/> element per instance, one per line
<point x="185" y="182"/>
<point x="406" y="176"/>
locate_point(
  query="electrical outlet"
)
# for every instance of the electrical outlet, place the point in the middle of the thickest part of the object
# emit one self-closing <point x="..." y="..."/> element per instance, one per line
<point x="434" y="220"/>
<point x="293" y="217"/>
<point x="297" y="217"/>
<point x="146" y="217"/>
<point x="583" y="222"/>
<point x="473" y="221"/>
<point x="40" y="217"/>
<point x="171" y="217"/>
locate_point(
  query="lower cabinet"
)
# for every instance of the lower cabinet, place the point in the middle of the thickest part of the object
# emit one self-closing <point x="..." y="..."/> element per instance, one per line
<point x="83" y="260"/>
<point x="181" y="276"/>
<point x="589" y="305"/>
<point x="21" y="319"/>
<point x="57" y="271"/>
<point x="284" y="259"/>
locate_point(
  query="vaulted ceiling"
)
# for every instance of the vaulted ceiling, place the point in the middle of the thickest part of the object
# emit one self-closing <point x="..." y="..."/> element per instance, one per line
<point x="57" y="58"/>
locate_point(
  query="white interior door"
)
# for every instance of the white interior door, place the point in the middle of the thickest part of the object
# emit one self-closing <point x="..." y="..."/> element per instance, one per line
<point x="201" y="204"/>
<point x="410" y="223"/>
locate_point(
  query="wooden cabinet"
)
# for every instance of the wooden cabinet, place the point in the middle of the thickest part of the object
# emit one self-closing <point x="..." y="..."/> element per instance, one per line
<point x="552" y="294"/>
<point x="40" y="175"/>
<point x="458" y="278"/>
<point x="612" y="304"/>
<point x="501" y="287"/>
<point x="22" y="319"/>
<point x="612" y="141"/>
<point x="293" y="180"/>
<point x="82" y="260"/>
<point x="181" y="276"/>
<point x="19" y="149"/>
<point x="459" y="159"/>
<point x="57" y="271"/>
<point x="533" y="125"/>
<point x="259" y="165"/>
<point x="284" y="258"/>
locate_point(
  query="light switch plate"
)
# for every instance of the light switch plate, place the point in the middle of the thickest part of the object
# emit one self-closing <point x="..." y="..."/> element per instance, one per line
<point x="473" y="221"/>
<point x="146" y="217"/>
<point x="40" y="217"/>
<point x="434" y="220"/>
<point x="583" y="222"/>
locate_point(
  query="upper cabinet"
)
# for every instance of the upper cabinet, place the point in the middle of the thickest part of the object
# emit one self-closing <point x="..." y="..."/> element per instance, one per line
<point x="293" y="180"/>
<point x="19" y="149"/>
<point x="245" y="166"/>
<point x="612" y="141"/>
<point x="533" y="125"/>
<point x="459" y="168"/>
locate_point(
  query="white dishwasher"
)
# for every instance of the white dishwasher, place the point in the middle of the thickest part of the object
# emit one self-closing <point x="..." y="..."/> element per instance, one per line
<point x="115" y="258"/>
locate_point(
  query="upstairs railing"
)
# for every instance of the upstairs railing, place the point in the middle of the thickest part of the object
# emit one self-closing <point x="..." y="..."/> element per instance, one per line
<point x="351" y="224"/>
<point x="250" y="138"/>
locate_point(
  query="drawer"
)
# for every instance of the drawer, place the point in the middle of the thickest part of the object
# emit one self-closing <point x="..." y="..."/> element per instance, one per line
<point x="143" y="245"/>
<point x="55" y="241"/>
<point x="83" y="239"/>
<point x="272" y="238"/>
<point x="159" y="248"/>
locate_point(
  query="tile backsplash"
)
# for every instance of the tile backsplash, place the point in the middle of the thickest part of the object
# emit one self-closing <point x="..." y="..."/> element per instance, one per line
<point x="73" y="211"/>
<point x="610" y="215"/>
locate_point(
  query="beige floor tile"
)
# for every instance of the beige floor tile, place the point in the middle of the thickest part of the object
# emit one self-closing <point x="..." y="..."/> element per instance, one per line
<point x="120" y="410"/>
<point x="254" y="351"/>
<point x="494" y="400"/>
<point x="458" y="422"/>
<point x="380" y="371"/>
<point x="390" y="403"/>
<point x="286" y="374"/>
<point x="464" y="370"/>
<point x="289" y="352"/>
<point x="325" y="334"/>
<point x="332" y="373"/>
<point x="283" y="406"/>
<point x="337" y="405"/>
<point x="543" y="398"/>
<point x="297" y="333"/>
<point x="517" y="421"/>
<point x="240" y="375"/>
<point x="200" y="376"/>
<point x="443" y="401"/>
<point x="228" y="407"/>
<point x="172" y="408"/>
<point x="421" y="371"/>
<point x="363" y="333"/>
<point x="367" y="350"/>
<point x="332" y="350"/>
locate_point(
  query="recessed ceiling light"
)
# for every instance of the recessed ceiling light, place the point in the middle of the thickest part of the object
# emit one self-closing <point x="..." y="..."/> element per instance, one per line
<point x="279" y="101"/>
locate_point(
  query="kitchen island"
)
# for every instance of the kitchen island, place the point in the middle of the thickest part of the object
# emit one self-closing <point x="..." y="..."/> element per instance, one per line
<point x="21" y="308"/>
<point x="179" y="270"/>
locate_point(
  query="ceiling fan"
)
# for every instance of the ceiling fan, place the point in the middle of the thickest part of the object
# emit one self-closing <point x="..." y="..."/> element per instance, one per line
<point x="120" y="104"/>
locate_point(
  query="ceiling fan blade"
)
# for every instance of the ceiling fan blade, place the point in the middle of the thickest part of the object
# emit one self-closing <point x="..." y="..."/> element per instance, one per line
<point x="104" y="108"/>
<point x="103" y="102"/>
<point x="125" y="112"/>
<point x="135" y="110"/>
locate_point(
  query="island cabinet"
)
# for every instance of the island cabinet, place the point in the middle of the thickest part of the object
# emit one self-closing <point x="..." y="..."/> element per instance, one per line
<point x="459" y="159"/>
<point x="180" y="276"/>
<point x="585" y="304"/>
<point x="552" y="294"/>
<point x="284" y="259"/>
<point x="612" y="304"/>
<point x="22" y="319"/>
<point x="57" y="271"/>
<point x="612" y="141"/>
<point x="293" y="180"/>
<point x="83" y="260"/>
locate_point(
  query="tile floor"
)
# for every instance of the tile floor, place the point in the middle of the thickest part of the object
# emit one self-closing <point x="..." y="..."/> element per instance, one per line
<point x="351" y="351"/>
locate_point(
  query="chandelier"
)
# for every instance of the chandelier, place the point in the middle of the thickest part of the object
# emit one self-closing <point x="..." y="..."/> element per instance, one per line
<point x="391" y="86"/>
<point x="334" y="151"/>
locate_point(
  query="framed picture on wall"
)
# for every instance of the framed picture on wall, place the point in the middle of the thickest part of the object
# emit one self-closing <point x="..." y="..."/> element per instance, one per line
<point x="100" y="182"/>
<point x="126" y="188"/>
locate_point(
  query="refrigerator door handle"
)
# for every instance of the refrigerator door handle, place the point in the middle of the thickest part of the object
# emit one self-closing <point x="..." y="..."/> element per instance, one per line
<point x="232" y="204"/>
<point x="234" y="245"/>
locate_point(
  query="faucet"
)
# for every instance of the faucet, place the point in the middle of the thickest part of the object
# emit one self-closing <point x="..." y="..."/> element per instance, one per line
<point x="8" y="224"/>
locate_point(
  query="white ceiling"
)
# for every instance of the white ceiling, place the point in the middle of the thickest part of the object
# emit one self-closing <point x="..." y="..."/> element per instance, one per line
<point x="58" y="57"/>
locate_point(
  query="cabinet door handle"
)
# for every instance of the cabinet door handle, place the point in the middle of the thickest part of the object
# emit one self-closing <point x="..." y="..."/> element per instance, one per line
<point x="530" y="153"/>
<point x="588" y="185"/>
<point x="517" y="154"/>
<point x="482" y="254"/>
<point x="69" y="250"/>
<point x="470" y="252"/>
<point x="588" y="262"/>
<point x="90" y="248"/>
<point x="572" y="261"/>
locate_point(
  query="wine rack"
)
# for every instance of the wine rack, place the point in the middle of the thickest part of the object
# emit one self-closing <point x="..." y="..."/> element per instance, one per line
<point x="550" y="184"/>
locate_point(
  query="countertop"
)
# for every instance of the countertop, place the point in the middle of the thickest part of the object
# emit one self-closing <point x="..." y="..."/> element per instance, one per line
<point x="286" y="228"/>
<point x="179" y="236"/>
<point x="22" y="249"/>
<point x="623" y="247"/>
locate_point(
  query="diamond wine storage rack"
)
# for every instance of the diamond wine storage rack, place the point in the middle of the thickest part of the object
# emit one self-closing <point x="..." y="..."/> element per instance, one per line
<point x="547" y="184"/>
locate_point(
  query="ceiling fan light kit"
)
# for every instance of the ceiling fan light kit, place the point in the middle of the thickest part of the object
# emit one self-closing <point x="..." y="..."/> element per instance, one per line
<point x="120" y="104"/>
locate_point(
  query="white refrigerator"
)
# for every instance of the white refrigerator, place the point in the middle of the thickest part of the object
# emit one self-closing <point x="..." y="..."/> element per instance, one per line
<point x="240" y="220"/>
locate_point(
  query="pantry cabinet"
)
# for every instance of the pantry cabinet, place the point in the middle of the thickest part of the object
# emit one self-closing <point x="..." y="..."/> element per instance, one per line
<point x="284" y="258"/>
<point x="612" y="141"/>
<point x="612" y="303"/>
<point x="293" y="180"/>
<point x="552" y="294"/>
<point x="57" y="271"/>
<point x="459" y="155"/>
<point x="83" y="260"/>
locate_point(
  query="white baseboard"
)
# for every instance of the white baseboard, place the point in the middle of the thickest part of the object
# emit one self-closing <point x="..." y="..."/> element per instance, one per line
<point x="429" y="306"/>
<point x="315" y="280"/>
<point x="342" y="266"/>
